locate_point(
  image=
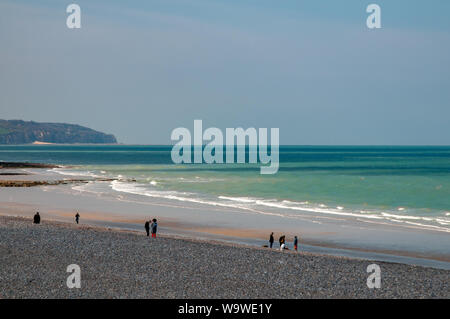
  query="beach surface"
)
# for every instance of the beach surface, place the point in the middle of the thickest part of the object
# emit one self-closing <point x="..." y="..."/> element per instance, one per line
<point x="126" y="264"/>
<point x="58" y="197"/>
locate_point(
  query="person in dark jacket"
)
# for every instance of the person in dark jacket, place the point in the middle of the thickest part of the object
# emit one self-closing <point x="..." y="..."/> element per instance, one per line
<point x="295" y="243"/>
<point x="147" y="227"/>
<point x="271" y="240"/>
<point x="282" y="240"/>
<point x="37" y="218"/>
<point x="77" y="218"/>
<point x="154" y="227"/>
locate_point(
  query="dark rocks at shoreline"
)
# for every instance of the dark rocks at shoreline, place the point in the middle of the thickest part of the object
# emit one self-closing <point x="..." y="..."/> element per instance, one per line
<point x="31" y="183"/>
<point x="14" y="183"/>
<point x="11" y="165"/>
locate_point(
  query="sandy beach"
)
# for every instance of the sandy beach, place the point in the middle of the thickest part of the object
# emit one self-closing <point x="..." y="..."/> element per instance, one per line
<point x="214" y="258"/>
<point x="127" y="264"/>
<point x="59" y="196"/>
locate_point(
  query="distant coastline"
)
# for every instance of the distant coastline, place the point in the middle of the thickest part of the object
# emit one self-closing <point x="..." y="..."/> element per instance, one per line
<point x="41" y="143"/>
<point x="15" y="132"/>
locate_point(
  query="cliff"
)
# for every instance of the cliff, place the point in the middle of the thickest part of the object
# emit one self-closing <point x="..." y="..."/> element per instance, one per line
<point x="21" y="132"/>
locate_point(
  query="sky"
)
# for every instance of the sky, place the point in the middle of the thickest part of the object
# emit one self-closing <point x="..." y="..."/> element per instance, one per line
<point x="139" y="69"/>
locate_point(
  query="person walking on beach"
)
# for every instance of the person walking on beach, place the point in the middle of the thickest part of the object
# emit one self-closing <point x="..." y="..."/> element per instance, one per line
<point x="271" y="240"/>
<point x="154" y="227"/>
<point x="282" y="240"/>
<point x="77" y="218"/>
<point x="147" y="227"/>
<point x="37" y="218"/>
<point x="295" y="243"/>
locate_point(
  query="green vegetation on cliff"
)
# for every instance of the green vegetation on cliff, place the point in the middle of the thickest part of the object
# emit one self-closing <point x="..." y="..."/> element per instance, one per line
<point x="21" y="132"/>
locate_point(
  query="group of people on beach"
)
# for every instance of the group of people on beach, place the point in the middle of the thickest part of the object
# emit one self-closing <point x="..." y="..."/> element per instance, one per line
<point x="150" y="226"/>
<point x="153" y="227"/>
<point x="282" y="241"/>
<point x="37" y="218"/>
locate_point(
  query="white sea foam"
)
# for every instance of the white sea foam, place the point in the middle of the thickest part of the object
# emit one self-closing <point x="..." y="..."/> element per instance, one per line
<point x="239" y="199"/>
<point x="407" y="218"/>
<point x="429" y="226"/>
<point x="83" y="188"/>
<point x="401" y="216"/>
<point x="319" y="209"/>
<point x="443" y="221"/>
<point x="272" y="203"/>
<point x="69" y="172"/>
<point x="183" y="197"/>
<point x="289" y="202"/>
<point x="197" y="179"/>
<point x="272" y="206"/>
<point x="141" y="190"/>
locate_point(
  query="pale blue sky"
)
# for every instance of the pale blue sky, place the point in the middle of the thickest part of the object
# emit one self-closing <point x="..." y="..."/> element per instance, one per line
<point x="311" y="68"/>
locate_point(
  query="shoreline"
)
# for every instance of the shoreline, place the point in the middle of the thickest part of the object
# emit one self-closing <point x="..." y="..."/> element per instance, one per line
<point x="198" y="221"/>
<point x="127" y="264"/>
<point x="242" y="238"/>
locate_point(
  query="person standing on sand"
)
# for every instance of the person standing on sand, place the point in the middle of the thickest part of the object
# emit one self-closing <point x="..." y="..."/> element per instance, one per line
<point x="77" y="218"/>
<point x="271" y="240"/>
<point x="295" y="243"/>
<point x="282" y="240"/>
<point x="154" y="228"/>
<point x="147" y="228"/>
<point x="37" y="218"/>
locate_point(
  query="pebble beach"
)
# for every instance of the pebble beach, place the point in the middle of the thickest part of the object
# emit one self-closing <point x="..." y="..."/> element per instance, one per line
<point x="126" y="264"/>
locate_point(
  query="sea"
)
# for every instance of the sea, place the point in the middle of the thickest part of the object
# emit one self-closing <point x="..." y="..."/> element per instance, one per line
<point x="401" y="184"/>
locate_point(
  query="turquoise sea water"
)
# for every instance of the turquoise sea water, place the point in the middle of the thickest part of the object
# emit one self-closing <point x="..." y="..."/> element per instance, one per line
<point x="399" y="183"/>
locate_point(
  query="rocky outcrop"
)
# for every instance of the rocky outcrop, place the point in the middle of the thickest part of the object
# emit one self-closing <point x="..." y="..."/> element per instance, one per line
<point x="16" y="183"/>
<point x="21" y="132"/>
<point x="25" y="165"/>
